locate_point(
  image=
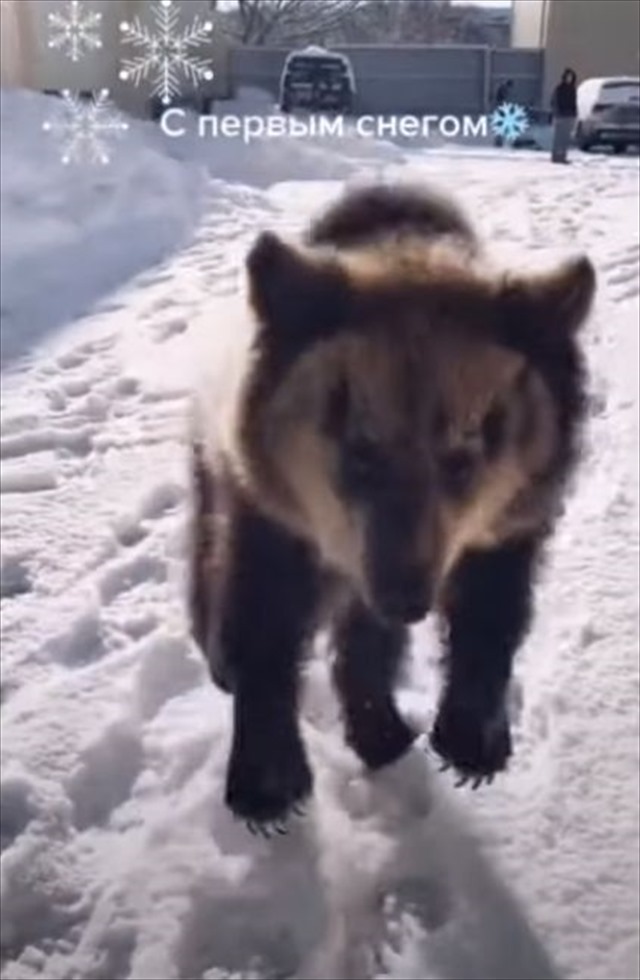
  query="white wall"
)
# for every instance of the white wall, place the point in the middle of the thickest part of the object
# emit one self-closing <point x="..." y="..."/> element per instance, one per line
<point x="527" y="29"/>
<point x="15" y="37"/>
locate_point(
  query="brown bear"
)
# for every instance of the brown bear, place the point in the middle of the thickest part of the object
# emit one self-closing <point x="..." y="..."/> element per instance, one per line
<point x="400" y="443"/>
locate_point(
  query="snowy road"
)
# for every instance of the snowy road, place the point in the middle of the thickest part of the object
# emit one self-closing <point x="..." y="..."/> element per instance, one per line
<point x="118" y="858"/>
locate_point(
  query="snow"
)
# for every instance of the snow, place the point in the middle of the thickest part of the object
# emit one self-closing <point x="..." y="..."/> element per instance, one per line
<point x="316" y="51"/>
<point x="48" y="247"/>
<point x="152" y="195"/>
<point x="118" y="857"/>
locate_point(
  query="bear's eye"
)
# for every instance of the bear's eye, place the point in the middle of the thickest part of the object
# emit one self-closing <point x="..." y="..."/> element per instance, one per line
<point x="363" y="465"/>
<point x="457" y="470"/>
<point x="336" y="410"/>
<point x="364" y="458"/>
<point x="494" y="431"/>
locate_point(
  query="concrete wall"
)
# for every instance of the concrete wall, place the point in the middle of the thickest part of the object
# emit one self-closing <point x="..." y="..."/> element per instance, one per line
<point x="15" y="33"/>
<point x="411" y="79"/>
<point x="595" y="37"/>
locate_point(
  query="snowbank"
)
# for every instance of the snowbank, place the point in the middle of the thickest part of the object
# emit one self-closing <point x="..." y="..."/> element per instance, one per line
<point x="72" y="234"/>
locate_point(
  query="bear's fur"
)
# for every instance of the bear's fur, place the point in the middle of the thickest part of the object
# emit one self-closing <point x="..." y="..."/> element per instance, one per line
<point x="401" y="441"/>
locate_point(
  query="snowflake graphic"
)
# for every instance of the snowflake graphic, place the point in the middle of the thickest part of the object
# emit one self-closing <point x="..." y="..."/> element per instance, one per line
<point x="166" y="52"/>
<point x="509" y="121"/>
<point x="75" y="30"/>
<point x="84" y="127"/>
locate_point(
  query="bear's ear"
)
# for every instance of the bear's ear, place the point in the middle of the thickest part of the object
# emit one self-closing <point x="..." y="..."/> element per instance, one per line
<point x="296" y="297"/>
<point x="549" y="306"/>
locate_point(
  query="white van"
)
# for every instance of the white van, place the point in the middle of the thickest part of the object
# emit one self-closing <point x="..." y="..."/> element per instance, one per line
<point x="317" y="79"/>
<point x="609" y="113"/>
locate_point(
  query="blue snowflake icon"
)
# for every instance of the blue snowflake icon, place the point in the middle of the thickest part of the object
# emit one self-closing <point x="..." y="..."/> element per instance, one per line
<point x="509" y="121"/>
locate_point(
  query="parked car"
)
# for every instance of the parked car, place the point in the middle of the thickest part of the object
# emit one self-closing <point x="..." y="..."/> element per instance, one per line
<point x="318" y="80"/>
<point x="608" y="113"/>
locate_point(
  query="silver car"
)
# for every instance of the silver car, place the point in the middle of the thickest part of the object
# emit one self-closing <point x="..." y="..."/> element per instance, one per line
<point x="608" y="113"/>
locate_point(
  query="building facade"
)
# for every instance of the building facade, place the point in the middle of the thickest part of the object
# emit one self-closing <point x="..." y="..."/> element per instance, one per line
<point x="594" y="37"/>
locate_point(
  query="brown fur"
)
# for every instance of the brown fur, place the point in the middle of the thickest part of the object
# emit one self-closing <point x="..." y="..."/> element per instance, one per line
<point x="402" y="438"/>
<point x="383" y="211"/>
<point x="421" y="324"/>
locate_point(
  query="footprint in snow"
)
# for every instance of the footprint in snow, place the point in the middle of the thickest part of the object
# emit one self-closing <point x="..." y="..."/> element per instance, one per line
<point x="266" y="928"/>
<point x="132" y="528"/>
<point x="123" y="575"/>
<point x="104" y="777"/>
<point x="170" y="328"/>
<point x="17" y="809"/>
<point x="168" y="669"/>
<point x="81" y="643"/>
<point x="15" y="576"/>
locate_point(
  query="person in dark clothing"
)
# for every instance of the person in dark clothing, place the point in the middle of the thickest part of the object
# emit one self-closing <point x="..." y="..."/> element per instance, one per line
<point x="503" y="94"/>
<point x="564" y="105"/>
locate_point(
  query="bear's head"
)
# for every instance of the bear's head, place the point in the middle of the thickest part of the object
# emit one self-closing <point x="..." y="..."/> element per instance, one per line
<point x="404" y="405"/>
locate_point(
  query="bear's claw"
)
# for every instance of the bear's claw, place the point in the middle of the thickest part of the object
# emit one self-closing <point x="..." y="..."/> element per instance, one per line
<point x="467" y="739"/>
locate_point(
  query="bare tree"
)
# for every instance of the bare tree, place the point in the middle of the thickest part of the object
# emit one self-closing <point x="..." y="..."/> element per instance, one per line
<point x="425" y="23"/>
<point x="289" y="21"/>
<point x="337" y="22"/>
<point x="380" y="21"/>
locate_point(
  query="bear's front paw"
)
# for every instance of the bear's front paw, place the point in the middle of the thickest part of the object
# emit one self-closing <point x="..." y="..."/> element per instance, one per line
<point x="266" y="784"/>
<point x="476" y="742"/>
<point x="379" y="735"/>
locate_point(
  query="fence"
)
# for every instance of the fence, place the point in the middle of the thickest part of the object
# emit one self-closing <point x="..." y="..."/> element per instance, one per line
<point x="413" y="79"/>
